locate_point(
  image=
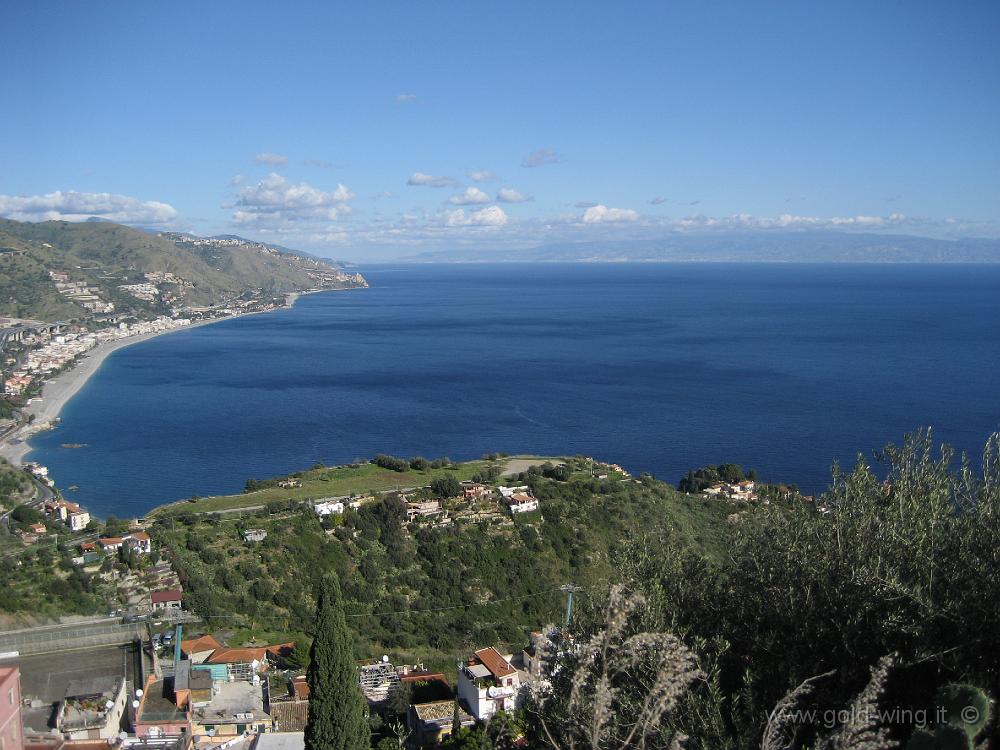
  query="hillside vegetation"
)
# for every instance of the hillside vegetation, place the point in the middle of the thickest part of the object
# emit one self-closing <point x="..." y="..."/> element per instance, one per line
<point x="871" y="624"/>
<point x="106" y="256"/>
<point x="422" y="588"/>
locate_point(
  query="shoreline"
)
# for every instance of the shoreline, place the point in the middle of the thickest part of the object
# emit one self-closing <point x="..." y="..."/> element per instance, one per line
<point x="59" y="391"/>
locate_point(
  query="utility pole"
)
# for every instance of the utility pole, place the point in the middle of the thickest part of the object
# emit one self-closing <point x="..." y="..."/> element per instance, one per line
<point x="570" y="589"/>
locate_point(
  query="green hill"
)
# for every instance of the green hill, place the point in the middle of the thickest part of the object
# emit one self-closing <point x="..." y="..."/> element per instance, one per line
<point x="479" y="577"/>
<point x="106" y="256"/>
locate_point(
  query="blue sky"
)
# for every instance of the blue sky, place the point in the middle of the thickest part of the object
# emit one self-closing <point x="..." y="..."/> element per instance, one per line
<point x="379" y="129"/>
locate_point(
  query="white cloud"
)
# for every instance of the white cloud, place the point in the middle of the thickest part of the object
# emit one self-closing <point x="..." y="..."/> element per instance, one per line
<point x="791" y="221"/>
<point x="430" y="180"/>
<point x="405" y="98"/>
<point x="471" y="197"/>
<point x="267" y="157"/>
<point x="482" y="175"/>
<point x="601" y="214"/>
<point x="657" y="201"/>
<point x="512" y="195"/>
<point x="274" y="200"/>
<point x="541" y="158"/>
<point x="585" y="204"/>
<point x="493" y="216"/>
<point x="237" y="179"/>
<point x="73" y="206"/>
<point x="383" y="194"/>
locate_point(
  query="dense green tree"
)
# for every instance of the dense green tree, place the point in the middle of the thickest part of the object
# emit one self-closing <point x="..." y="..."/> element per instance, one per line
<point x="447" y="486"/>
<point x="337" y="708"/>
<point x="26" y="514"/>
<point x="400" y="700"/>
<point x="391" y="462"/>
<point x="473" y="738"/>
<point x="115" y="526"/>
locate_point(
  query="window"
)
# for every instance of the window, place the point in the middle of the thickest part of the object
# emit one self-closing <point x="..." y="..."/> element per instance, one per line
<point x="10" y="696"/>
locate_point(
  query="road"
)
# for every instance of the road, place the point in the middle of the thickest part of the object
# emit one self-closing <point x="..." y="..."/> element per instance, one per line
<point x="90" y="633"/>
<point x="341" y="498"/>
<point x="43" y="493"/>
<point x="85" y="634"/>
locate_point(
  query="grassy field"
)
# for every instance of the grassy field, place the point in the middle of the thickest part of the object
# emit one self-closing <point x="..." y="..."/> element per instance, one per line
<point x="337" y="481"/>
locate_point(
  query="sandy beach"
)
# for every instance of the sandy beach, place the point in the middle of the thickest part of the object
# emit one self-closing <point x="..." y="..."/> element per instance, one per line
<point x="57" y="392"/>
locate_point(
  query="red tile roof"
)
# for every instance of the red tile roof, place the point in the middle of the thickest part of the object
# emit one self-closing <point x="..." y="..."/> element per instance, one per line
<point x="158" y="597"/>
<point x="494" y="661"/>
<point x="300" y="688"/>
<point x="236" y="655"/>
<point x="290" y="716"/>
<point x="423" y="677"/>
<point x="202" y="643"/>
<point x="281" y="650"/>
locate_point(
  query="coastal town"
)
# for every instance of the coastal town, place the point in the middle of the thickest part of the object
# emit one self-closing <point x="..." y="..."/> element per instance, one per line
<point x="179" y="688"/>
<point x="160" y="675"/>
<point x="44" y="363"/>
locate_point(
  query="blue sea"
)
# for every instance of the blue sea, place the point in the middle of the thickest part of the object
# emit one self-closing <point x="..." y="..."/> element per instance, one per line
<point x="783" y="368"/>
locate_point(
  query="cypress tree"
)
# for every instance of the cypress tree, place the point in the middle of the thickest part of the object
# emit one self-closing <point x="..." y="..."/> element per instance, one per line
<point x="337" y="718"/>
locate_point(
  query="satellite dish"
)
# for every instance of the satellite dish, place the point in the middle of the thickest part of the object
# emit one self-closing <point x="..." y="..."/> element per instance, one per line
<point x="492" y="691"/>
<point x="135" y="704"/>
<point x="138" y="693"/>
<point x="255" y="664"/>
<point x="122" y="736"/>
<point x="385" y="658"/>
<point x="109" y="704"/>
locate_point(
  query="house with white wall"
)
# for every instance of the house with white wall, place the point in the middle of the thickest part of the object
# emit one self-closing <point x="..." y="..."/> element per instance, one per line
<point x="488" y="683"/>
<point x="328" y="506"/>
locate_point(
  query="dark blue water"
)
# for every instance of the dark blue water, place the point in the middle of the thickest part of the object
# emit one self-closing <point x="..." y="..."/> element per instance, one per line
<point x="783" y="368"/>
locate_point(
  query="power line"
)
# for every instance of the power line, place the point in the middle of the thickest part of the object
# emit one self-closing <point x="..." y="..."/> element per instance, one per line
<point x="458" y="606"/>
<point x="417" y="611"/>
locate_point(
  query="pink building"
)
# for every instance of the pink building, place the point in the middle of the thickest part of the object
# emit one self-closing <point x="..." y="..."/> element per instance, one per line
<point x="11" y="732"/>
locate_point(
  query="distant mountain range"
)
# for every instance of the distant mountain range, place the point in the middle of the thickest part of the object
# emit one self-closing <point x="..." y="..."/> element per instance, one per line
<point x="102" y="257"/>
<point x="771" y="246"/>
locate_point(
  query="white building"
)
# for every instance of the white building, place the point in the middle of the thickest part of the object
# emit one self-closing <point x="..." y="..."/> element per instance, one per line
<point x="328" y="506"/>
<point x="69" y="513"/>
<point x="521" y="502"/>
<point x="487" y="683"/>
<point x="509" y="491"/>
